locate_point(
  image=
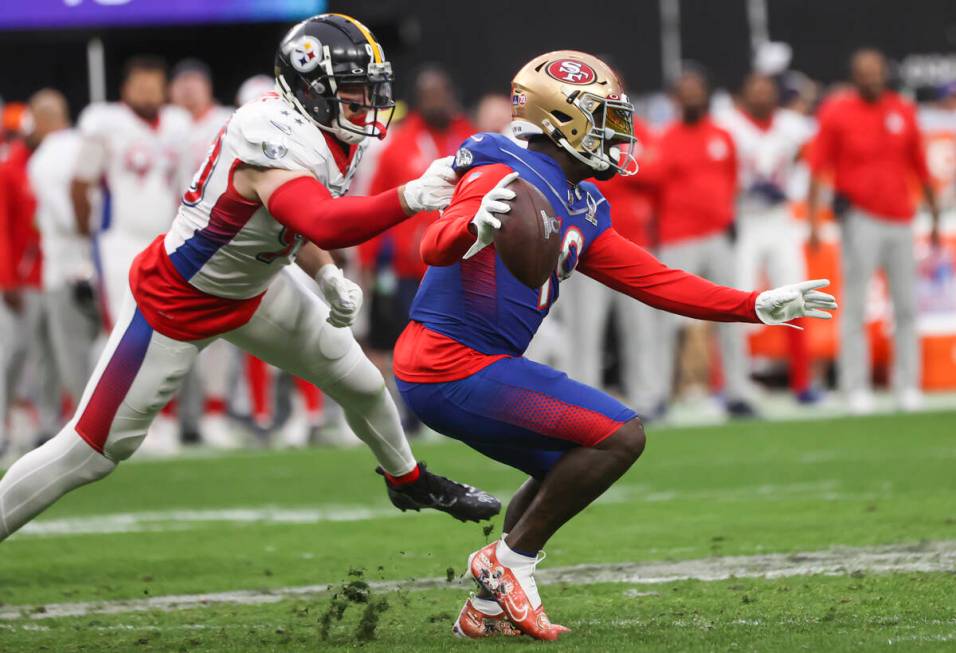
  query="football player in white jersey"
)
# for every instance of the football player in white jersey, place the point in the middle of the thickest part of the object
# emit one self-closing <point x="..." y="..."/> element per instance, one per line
<point x="769" y="141"/>
<point x="269" y="193"/>
<point x="202" y="402"/>
<point x="131" y="157"/>
<point x="133" y="149"/>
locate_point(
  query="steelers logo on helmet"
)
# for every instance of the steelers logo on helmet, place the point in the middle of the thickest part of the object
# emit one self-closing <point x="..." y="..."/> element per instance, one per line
<point x="571" y="71"/>
<point x="306" y="54"/>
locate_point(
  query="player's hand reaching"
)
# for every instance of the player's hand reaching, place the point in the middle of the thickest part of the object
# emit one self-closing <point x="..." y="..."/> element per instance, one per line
<point x="433" y="190"/>
<point x="786" y="303"/>
<point x="485" y="224"/>
<point x="343" y="295"/>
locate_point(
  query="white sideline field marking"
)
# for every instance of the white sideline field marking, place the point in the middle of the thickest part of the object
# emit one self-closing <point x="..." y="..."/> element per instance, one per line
<point x="927" y="557"/>
<point x="179" y="520"/>
<point x="135" y="522"/>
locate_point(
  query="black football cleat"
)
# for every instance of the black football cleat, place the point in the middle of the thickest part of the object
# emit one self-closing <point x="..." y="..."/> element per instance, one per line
<point x="461" y="501"/>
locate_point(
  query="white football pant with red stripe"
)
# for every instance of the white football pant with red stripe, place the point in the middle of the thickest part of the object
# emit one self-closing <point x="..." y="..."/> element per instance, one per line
<point x="141" y="369"/>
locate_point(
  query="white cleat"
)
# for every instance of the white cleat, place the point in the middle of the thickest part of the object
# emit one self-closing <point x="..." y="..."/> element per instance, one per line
<point x="163" y="438"/>
<point x="219" y="432"/>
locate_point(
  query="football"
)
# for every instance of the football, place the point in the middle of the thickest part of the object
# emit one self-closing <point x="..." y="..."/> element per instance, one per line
<point x="529" y="241"/>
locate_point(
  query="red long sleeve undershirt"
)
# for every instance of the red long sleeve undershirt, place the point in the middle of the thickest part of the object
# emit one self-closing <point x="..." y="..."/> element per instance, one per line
<point x="611" y="259"/>
<point x="626" y="267"/>
<point x="308" y="208"/>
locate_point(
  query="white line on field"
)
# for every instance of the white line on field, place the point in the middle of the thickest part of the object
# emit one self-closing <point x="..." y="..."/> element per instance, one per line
<point x="926" y="557"/>
<point x="162" y="520"/>
<point x="179" y="520"/>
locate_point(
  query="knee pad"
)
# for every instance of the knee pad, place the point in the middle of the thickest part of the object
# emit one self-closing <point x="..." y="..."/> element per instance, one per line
<point x="362" y="383"/>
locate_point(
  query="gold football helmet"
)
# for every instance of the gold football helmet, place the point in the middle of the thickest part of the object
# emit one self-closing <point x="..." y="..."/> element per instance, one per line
<point x="577" y="101"/>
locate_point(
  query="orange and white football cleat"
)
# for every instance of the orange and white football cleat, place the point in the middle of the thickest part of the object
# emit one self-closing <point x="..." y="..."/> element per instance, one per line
<point x="511" y="589"/>
<point x="472" y="623"/>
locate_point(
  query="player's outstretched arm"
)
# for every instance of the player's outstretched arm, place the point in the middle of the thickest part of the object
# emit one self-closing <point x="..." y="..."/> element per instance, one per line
<point x="628" y="268"/>
<point x="300" y="202"/>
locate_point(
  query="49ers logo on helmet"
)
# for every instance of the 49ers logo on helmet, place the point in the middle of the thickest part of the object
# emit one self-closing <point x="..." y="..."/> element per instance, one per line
<point x="571" y="71"/>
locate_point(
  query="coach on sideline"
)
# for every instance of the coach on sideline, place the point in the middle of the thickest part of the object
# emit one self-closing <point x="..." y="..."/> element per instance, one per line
<point x="869" y="139"/>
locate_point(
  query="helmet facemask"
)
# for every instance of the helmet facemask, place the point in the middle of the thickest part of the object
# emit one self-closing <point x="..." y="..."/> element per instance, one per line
<point x="371" y="97"/>
<point x="609" y="143"/>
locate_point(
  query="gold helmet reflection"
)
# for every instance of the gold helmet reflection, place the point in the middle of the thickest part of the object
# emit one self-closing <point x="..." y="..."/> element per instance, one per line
<point x="577" y="101"/>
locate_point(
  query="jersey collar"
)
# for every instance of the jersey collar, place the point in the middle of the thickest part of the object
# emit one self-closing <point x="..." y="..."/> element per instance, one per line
<point x="342" y="160"/>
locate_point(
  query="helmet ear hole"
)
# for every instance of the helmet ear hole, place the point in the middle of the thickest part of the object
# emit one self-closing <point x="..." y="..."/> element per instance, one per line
<point x="561" y="117"/>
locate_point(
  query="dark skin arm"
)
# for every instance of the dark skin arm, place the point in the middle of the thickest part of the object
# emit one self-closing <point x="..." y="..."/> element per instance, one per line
<point x="79" y="195"/>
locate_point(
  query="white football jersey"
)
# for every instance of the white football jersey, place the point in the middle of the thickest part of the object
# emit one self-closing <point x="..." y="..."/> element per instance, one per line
<point x="66" y="254"/>
<point x="767" y="157"/>
<point x="139" y="162"/>
<point x="202" y="133"/>
<point x="226" y="245"/>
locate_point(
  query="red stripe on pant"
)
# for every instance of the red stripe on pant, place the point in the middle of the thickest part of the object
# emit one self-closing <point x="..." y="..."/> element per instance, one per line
<point x="113" y="385"/>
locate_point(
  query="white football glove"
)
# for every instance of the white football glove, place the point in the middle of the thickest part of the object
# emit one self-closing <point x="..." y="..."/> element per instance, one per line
<point x="343" y="295"/>
<point x="433" y="190"/>
<point x="486" y="224"/>
<point x="786" y="303"/>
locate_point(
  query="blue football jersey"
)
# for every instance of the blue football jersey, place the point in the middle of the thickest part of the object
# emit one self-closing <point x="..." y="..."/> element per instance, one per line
<point x="478" y="302"/>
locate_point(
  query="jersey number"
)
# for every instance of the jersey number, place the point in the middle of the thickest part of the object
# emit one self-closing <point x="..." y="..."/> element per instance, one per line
<point x="194" y="193"/>
<point x="290" y="242"/>
<point x="567" y="261"/>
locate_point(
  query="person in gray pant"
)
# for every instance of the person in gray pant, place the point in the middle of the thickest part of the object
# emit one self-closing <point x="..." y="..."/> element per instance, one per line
<point x="869" y="139"/>
<point x="69" y="323"/>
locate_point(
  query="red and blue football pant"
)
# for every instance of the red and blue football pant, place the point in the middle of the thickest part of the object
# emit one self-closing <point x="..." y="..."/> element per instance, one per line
<point x="521" y="413"/>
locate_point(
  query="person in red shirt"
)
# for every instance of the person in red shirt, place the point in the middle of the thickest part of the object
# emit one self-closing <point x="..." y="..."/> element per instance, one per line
<point x="435" y="128"/>
<point x="634" y="206"/>
<point x="694" y="171"/>
<point x="20" y="259"/>
<point x="868" y="138"/>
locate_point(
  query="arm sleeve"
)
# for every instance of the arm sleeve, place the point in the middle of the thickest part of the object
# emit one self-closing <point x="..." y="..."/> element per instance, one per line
<point x="306" y="206"/>
<point x="625" y="267"/>
<point x="447" y="239"/>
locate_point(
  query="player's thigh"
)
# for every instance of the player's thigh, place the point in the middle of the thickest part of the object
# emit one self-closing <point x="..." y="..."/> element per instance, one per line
<point x="517" y="405"/>
<point x="290" y="331"/>
<point x="137" y="374"/>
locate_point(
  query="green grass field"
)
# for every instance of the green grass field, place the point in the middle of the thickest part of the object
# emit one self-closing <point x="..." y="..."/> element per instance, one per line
<point x="875" y="495"/>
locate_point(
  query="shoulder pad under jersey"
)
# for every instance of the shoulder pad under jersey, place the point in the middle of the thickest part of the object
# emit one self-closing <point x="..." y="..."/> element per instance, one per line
<point x="482" y="149"/>
<point x="269" y="133"/>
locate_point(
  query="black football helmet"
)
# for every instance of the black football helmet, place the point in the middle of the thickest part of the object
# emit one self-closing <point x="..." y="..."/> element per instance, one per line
<point x="319" y="56"/>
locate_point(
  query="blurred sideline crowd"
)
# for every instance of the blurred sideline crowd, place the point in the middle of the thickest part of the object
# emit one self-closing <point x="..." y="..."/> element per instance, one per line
<point x="775" y="181"/>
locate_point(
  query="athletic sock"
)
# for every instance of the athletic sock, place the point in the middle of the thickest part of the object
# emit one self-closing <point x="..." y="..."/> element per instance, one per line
<point x="404" y="479"/>
<point x="517" y="556"/>
<point x="522" y="566"/>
